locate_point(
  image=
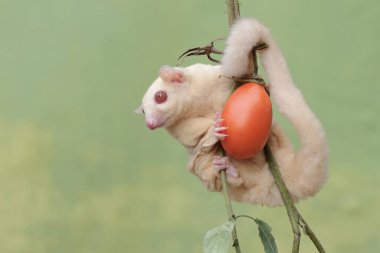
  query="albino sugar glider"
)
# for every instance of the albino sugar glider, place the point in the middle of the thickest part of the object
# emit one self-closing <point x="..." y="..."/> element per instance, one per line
<point x="187" y="101"/>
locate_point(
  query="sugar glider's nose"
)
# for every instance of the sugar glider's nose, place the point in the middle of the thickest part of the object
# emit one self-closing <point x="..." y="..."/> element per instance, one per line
<point x="151" y="124"/>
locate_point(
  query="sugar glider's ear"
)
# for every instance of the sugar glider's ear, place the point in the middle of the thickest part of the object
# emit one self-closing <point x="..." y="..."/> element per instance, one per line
<point x="139" y="110"/>
<point x="171" y="75"/>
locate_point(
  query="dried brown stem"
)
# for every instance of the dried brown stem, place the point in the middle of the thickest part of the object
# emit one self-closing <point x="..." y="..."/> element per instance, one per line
<point x="206" y="50"/>
<point x="233" y="11"/>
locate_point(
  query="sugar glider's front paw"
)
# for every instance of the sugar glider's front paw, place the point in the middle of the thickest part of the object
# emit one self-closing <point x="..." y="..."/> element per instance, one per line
<point x="224" y="163"/>
<point x="215" y="132"/>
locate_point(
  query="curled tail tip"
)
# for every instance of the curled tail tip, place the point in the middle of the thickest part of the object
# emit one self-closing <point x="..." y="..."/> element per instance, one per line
<point x="249" y="27"/>
<point x="246" y="21"/>
<point x="244" y="35"/>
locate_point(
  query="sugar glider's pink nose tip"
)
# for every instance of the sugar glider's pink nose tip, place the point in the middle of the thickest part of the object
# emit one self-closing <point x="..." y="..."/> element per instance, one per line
<point x="151" y="124"/>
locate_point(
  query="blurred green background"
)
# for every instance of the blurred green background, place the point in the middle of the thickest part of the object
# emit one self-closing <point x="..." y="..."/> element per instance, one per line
<point x="79" y="172"/>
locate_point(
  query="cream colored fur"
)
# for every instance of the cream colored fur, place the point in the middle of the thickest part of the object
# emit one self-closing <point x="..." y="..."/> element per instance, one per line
<point x="192" y="106"/>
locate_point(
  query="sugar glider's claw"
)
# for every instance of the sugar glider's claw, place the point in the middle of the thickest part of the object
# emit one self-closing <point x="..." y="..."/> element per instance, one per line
<point x="218" y="134"/>
<point x="218" y="128"/>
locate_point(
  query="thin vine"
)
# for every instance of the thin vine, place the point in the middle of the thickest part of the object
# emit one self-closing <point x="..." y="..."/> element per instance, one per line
<point x="230" y="212"/>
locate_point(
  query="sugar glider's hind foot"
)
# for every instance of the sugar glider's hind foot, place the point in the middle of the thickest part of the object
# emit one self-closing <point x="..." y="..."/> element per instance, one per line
<point x="224" y="163"/>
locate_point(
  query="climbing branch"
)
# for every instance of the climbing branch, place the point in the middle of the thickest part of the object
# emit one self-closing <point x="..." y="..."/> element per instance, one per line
<point x="295" y="217"/>
<point x="290" y="208"/>
<point x="231" y="215"/>
<point x="230" y="212"/>
<point x="233" y="13"/>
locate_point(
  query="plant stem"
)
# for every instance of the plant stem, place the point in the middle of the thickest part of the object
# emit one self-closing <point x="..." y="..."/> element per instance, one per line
<point x="231" y="215"/>
<point x="311" y="235"/>
<point x="230" y="212"/>
<point x="290" y="208"/>
<point x="233" y="13"/>
<point x="295" y="217"/>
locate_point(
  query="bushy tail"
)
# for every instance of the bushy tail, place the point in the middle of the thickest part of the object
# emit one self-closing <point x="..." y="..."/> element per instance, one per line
<point x="309" y="163"/>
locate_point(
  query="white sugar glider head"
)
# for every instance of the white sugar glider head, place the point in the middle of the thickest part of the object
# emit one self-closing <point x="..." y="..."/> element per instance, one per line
<point x="161" y="103"/>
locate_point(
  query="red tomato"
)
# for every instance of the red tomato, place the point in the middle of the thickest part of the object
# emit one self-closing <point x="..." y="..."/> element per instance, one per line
<point x="248" y="116"/>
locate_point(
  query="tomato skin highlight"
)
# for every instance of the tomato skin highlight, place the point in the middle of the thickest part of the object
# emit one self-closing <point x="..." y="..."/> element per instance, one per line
<point x="248" y="116"/>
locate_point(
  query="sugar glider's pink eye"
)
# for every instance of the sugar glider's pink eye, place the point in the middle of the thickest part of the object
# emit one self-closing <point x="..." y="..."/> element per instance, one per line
<point x="160" y="97"/>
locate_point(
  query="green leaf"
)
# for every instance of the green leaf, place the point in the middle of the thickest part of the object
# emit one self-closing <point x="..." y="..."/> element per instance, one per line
<point x="266" y="237"/>
<point x="219" y="239"/>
